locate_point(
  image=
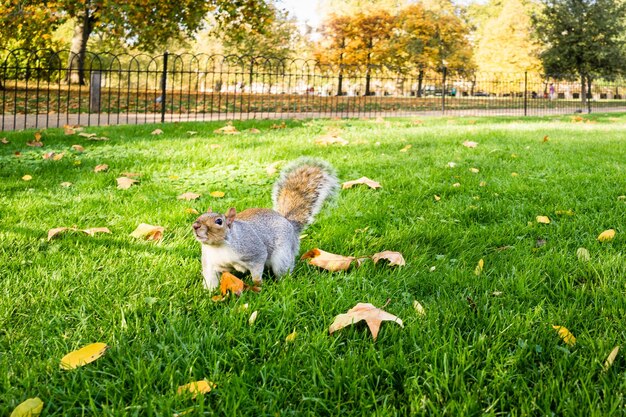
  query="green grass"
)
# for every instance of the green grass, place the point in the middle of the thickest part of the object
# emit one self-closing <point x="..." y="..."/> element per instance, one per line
<point x="146" y="301"/>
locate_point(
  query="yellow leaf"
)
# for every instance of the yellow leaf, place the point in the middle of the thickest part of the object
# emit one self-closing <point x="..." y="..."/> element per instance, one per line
<point x="437" y="198"/>
<point x="291" y="337"/>
<point x="363" y="311"/>
<point x="482" y="184"/>
<point x="474" y="170"/>
<point x="83" y="356"/>
<point x="610" y="359"/>
<point x="329" y="261"/>
<point x="148" y="232"/>
<point x="514" y="174"/>
<point x="217" y="194"/>
<point x="191" y="211"/>
<point x="197" y="387"/>
<point x="606" y="236"/>
<point x="479" y="267"/>
<point x="100" y="168"/>
<point x="188" y="196"/>
<point x="456" y="184"/>
<point x="30" y="408"/>
<point x="27" y="178"/>
<point x="253" y="317"/>
<point x="564" y="212"/>
<point x="362" y="180"/>
<point x="406" y="148"/>
<point x="66" y="184"/>
<point x="565" y="335"/>
<point x="124" y="183"/>
<point x="394" y="258"/>
<point x="419" y="308"/>
<point x="543" y="219"/>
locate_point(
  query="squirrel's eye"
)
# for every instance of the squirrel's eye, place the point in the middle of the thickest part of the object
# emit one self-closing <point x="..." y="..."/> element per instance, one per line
<point x="218" y="222"/>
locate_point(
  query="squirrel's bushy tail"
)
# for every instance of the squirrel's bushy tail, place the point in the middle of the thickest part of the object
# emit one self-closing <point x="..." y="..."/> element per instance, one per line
<point x="302" y="188"/>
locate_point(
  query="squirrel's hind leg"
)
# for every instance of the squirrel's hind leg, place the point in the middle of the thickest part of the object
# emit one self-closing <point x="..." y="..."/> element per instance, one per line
<point x="282" y="262"/>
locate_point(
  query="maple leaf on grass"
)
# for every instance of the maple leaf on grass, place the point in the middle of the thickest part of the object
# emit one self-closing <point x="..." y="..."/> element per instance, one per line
<point x="394" y="258"/>
<point x="231" y="284"/>
<point x="362" y="180"/>
<point x="364" y="311"/>
<point x="330" y="261"/>
<point x="101" y="168"/>
<point x="148" y="232"/>
<point x="124" y="183"/>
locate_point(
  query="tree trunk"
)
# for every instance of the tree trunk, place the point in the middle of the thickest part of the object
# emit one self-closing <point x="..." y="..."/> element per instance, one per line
<point x="368" y="79"/>
<point x="420" y="80"/>
<point x="583" y="90"/>
<point x="78" y="48"/>
<point x="340" y="83"/>
<point x="588" y="94"/>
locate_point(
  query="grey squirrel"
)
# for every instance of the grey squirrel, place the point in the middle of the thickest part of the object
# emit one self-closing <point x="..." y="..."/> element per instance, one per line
<point x="258" y="237"/>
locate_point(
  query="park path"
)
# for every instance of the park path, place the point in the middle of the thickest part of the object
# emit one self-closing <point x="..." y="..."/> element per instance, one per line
<point x="10" y="122"/>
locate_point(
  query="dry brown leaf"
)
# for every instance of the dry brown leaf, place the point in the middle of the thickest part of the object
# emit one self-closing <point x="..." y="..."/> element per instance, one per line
<point x="230" y="283"/>
<point x="364" y="311"/>
<point x="69" y="130"/>
<point x="157" y="132"/>
<point x="470" y="144"/>
<point x="100" y="168"/>
<point x="35" y="144"/>
<point x="229" y="129"/>
<point x="4" y="141"/>
<point x="101" y="138"/>
<point x="546" y="138"/>
<point x="329" y="261"/>
<point x="197" y="387"/>
<point x="394" y="258"/>
<point x="124" y="183"/>
<point x="94" y="230"/>
<point x="148" y="232"/>
<point x="282" y="125"/>
<point x="565" y="335"/>
<point x="254" y="130"/>
<point x="91" y="232"/>
<point x="188" y="196"/>
<point x="38" y="136"/>
<point x="53" y="232"/>
<point x="87" y="135"/>
<point x="330" y="139"/>
<point x="78" y="148"/>
<point x="362" y="180"/>
<point x="131" y="174"/>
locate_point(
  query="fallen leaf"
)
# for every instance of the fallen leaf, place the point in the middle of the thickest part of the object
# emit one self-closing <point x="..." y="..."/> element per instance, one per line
<point x="30" y="408"/>
<point x="131" y="174"/>
<point x="362" y="180"/>
<point x="406" y="148"/>
<point x="83" y="356"/>
<point x="254" y="130"/>
<point x="606" y="236"/>
<point x="27" y="177"/>
<point x="610" y="359"/>
<point x="363" y="311"/>
<point x="282" y="125"/>
<point x="217" y="194"/>
<point x="514" y="174"/>
<point x="546" y="138"/>
<point x="148" y="232"/>
<point x="564" y="213"/>
<point x="419" y="309"/>
<point x="479" y="267"/>
<point x="66" y="184"/>
<point x="482" y="184"/>
<point x="219" y="298"/>
<point x="621" y="197"/>
<point x="101" y="138"/>
<point x="124" y="183"/>
<point x="451" y="164"/>
<point x="273" y="168"/>
<point x="38" y="136"/>
<point x="329" y="261"/>
<point x="230" y="283"/>
<point x="583" y="255"/>
<point x="197" y="387"/>
<point x="437" y="198"/>
<point x="565" y="335"/>
<point x="94" y="230"/>
<point x="78" y="148"/>
<point x="470" y="144"/>
<point x="69" y="130"/>
<point x="394" y="258"/>
<point x="543" y="219"/>
<point x="188" y="196"/>
<point x="87" y="135"/>
<point x="215" y="146"/>
<point x="157" y="132"/>
<point x="496" y="293"/>
<point x="291" y="337"/>
<point x="253" y="317"/>
<point x="330" y="139"/>
<point x="4" y="141"/>
<point x="229" y="129"/>
<point x="58" y="156"/>
<point x="100" y="168"/>
<point x="35" y="144"/>
<point x="191" y="211"/>
<point x="379" y="119"/>
<point x="53" y="232"/>
<point x="474" y="170"/>
<point x="191" y="132"/>
<point x="456" y="184"/>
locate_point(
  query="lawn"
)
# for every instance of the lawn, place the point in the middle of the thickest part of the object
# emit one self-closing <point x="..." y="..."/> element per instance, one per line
<point x="485" y="344"/>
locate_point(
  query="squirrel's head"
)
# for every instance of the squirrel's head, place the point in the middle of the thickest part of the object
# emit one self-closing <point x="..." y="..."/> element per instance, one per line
<point x="212" y="228"/>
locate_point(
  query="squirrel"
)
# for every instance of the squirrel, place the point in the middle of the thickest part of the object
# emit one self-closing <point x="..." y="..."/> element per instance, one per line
<point x="259" y="237"/>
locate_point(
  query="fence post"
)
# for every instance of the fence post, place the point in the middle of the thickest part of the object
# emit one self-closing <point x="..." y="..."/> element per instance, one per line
<point x="525" y="93"/>
<point x="163" y="86"/>
<point x="95" y="86"/>
<point x="443" y="90"/>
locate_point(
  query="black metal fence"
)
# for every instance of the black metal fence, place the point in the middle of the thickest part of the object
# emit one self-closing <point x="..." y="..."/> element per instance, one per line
<point x="43" y="89"/>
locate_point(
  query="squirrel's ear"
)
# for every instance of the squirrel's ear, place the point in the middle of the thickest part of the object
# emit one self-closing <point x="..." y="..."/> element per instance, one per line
<point x="209" y="210"/>
<point x="230" y="216"/>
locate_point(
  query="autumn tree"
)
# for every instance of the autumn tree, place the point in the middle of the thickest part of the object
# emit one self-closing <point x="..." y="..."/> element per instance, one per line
<point x="585" y="37"/>
<point x="336" y="33"/>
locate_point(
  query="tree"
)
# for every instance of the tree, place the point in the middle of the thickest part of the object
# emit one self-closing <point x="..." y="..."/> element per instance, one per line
<point x="585" y="37"/>
<point x="336" y="33"/>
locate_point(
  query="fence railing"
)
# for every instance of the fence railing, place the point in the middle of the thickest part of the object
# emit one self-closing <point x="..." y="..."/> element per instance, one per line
<point x="44" y="89"/>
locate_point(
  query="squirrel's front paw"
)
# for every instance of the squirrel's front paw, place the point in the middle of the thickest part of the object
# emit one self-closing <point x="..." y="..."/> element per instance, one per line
<point x="257" y="281"/>
<point x="211" y="284"/>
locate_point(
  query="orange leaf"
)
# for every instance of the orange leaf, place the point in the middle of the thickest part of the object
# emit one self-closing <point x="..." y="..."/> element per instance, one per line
<point x="68" y="130"/>
<point x="362" y="180"/>
<point x="124" y="183"/>
<point x="78" y="148"/>
<point x="229" y="282"/>
<point x="363" y="311"/>
<point x="329" y="261"/>
<point x="394" y="258"/>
